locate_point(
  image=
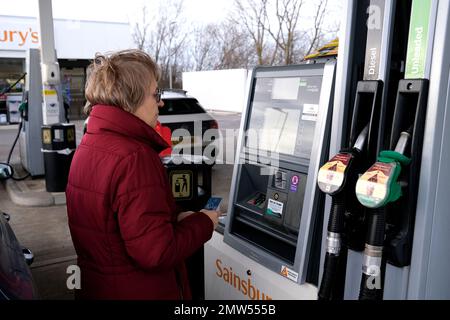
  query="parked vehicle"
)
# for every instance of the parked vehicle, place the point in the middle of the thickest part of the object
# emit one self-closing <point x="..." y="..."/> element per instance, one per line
<point x="16" y="281"/>
<point x="183" y="114"/>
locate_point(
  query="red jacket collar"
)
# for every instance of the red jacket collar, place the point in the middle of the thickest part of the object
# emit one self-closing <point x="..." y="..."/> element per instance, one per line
<point x="113" y="119"/>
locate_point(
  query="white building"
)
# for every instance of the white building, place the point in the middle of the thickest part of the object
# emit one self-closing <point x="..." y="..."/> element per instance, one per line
<point x="76" y="43"/>
<point x="221" y="90"/>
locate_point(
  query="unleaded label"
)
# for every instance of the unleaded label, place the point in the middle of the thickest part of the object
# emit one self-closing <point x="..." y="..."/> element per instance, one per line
<point x="418" y="40"/>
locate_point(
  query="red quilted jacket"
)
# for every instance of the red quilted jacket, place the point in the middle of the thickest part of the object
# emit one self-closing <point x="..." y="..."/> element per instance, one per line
<point x="122" y="216"/>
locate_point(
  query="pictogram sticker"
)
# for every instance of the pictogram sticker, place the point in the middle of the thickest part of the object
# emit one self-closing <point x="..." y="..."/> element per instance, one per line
<point x="181" y="184"/>
<point x="47" y="136"/>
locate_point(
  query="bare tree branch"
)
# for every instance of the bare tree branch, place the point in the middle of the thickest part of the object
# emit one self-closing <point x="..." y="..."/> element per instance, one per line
<point x="163" y="38"/>
<point x="258" y="32"/>
<point x="140" y="30"/>
<point x="252" y="16"/>
<point x="287" y="14"/>
<point x="318" y="24"/>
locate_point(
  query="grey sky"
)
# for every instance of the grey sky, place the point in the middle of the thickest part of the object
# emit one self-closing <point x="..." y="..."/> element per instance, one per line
<point x="116" y="10"/>
<point x="195" y="11"/>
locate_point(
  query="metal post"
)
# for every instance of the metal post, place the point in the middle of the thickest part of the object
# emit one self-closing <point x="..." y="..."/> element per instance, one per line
<point x="49" y="65"/>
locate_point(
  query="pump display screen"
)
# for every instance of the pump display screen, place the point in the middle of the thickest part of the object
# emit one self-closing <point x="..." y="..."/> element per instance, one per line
<point x="283" y="115"/>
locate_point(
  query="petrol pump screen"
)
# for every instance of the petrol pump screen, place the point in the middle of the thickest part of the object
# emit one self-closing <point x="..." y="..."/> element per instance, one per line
<point x="283" y="115"/>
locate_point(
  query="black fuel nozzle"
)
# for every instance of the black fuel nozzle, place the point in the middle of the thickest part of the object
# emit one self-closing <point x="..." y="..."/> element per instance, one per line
<point x="332" y="180"/>
<point x="332" y="176"/>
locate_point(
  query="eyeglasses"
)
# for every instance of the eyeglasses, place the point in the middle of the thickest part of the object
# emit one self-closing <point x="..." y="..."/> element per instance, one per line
<point x="158" y="94"/>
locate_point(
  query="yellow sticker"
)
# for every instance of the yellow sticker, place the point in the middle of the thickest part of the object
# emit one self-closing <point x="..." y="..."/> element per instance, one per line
<point x="49" y="92"/>
<point x="47" y="136"/>
<point x="181" y="184"/>
<point x="70" y="135"/>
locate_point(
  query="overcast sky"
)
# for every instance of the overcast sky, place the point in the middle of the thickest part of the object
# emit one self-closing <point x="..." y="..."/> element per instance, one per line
<point x="196" y="11"/>
<point x="116" y="10"/>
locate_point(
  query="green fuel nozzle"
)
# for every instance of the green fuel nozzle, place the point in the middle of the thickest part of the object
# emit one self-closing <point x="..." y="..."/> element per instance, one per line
<point x="378" y="186"/>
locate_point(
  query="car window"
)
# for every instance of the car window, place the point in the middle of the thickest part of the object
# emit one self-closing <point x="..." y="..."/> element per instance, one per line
<point x="180" y="106"/>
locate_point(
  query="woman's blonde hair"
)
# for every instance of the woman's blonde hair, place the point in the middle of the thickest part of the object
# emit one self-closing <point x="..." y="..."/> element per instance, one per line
<point x="121" y="79"/>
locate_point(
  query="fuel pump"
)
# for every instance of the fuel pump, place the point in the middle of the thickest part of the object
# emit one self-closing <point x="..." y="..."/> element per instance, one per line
<point x="402" y="193"/>
<point x="391" y="215"/>
<point x="337" y="178"/>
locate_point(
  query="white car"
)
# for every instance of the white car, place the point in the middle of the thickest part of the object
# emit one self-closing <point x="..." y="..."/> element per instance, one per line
<point x="193" y="129"/>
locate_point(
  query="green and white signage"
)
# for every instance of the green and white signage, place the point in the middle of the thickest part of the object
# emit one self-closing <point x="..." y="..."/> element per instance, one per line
<point x="418" y="40"/>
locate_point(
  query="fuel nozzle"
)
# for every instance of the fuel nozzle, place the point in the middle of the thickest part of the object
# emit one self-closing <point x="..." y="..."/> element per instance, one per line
<point x="361" y="140"/>
<point x="404" y="141"/>
<point x="332" y="175"/>
<point x="374" y="193"/>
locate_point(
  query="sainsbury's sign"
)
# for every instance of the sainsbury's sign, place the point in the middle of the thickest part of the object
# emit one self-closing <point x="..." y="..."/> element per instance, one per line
<point x="18" y="36"/>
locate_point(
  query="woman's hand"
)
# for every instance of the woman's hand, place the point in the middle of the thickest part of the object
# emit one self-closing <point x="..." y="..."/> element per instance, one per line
<point x="213" y="215"/>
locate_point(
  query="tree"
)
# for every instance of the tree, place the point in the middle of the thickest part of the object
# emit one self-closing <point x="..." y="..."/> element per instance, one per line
<point x="252" y="16"/>
<point x="163" y="39"/>
<point x="204" y="49"/>
<point x="140" y="30"/>
<point x="235" y="47"/>
<point x="274" y="28"/>
<point x="288" y="14"/>
<point x="316" y="33"/>
<point x="221" y="46"/>
<point x="257" y="32"/>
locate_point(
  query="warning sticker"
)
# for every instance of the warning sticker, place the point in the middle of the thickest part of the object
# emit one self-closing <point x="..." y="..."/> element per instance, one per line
<point x="289" y="273"/>
<point x="70" y="135"/>
<point x="331" y="175"/>
<point x="275" y="208"/>
<point x="46" y="136"/>
<point x="372" y="186"/>
<point x="181" y="184"/>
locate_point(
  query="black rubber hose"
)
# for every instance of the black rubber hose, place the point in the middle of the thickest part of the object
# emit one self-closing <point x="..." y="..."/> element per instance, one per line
<point x="332" y="261"/>
<point x="372" y="287"/>
<point x="327" y="286"/>
<point x="15" y="142"/>
<point x="377" y="227"/>
<point x="8" y="161"/>
<point x="337" y="213"/>
<point x="366" y="293"/>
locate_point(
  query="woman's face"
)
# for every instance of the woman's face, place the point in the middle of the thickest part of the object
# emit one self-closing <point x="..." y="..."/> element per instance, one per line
<point x="148" y="110"/>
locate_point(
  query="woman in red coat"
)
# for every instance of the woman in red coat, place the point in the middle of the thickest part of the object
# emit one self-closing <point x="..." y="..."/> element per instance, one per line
<point x="130" y="240"/>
